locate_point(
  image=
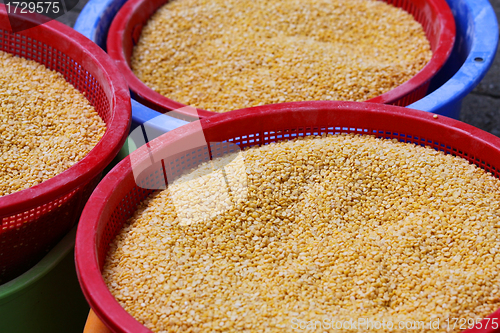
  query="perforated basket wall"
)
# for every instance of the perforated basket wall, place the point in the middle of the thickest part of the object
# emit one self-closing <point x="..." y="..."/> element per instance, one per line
<point x="434" y="15"/>
<point x="32" y="221"/>
<point x="118" y="195"/>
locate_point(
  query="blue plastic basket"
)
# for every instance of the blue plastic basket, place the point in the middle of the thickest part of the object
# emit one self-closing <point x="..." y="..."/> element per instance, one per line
<point x="93" y="22"/>
<point x="473" y="54"/>
<point x="475" y="48"/>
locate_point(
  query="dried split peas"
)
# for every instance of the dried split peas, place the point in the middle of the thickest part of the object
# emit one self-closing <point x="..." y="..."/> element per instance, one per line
<point x="321" y="228"/>
<point x="222" y="55"/>
<point x="47" y="125"/>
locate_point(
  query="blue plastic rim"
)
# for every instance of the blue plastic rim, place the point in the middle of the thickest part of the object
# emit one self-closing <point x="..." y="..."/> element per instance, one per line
<point x="475" y="48"/>
<point x="473" y="54"/>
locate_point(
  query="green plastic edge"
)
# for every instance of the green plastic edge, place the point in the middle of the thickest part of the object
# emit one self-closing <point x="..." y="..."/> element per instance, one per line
<point x="56" y="255"/>
<point x="42" y="268"/>
<point x="21" y="284"/>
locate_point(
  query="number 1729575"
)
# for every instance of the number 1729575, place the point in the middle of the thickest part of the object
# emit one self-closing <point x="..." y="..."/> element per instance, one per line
<point x="40" y="7"/>
<point x="479" y="323"/>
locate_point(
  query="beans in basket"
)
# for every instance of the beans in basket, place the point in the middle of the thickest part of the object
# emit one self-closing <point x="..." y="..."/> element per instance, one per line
<point x="222" y="55"/>
<point x="47" y="125"/>
<point x="314" y="230"/>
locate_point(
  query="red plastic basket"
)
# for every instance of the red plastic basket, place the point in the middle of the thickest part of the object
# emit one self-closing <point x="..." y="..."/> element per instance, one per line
<point x="434" y="15"/>
<point x="32" y="221"/>
<point x="118" y="195"/>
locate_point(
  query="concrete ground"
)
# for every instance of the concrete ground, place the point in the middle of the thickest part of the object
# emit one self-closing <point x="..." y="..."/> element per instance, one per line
<point x="481" y="108"/>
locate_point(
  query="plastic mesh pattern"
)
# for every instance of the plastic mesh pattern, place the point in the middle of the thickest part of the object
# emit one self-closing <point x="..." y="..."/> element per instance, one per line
<point x="27" y="235"/>
<point x="120" y="192"/>
<point x="431" y="31"/>
<point x="434" y="16"/>
<point x="119" y="217"/>
<point x="181" y="163"/>
<point x="29" y="48"/>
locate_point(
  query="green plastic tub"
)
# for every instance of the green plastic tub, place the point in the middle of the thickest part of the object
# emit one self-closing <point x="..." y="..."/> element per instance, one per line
<point x="47" y="298"/>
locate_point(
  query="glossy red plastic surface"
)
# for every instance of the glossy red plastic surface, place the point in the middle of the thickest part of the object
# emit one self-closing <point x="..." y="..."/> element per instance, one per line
<point x="34" y="220"/>
<point x="434" y="15"/>
<point x="117" y="196"/>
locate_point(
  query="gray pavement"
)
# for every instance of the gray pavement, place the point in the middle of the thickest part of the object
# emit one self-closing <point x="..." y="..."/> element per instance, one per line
<point x="481" y="108"/>
<point x="70" y="17"/>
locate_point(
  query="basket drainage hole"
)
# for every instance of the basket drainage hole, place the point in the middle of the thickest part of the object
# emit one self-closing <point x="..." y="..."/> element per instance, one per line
<point x="478" y="59"/>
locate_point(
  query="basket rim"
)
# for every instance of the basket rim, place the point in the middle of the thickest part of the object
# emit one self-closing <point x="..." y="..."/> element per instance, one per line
<point x="109" y="145"/>
<point x="471" y="72"/>
<point x="158" y="102"/>
<point x="92" y="283"/>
